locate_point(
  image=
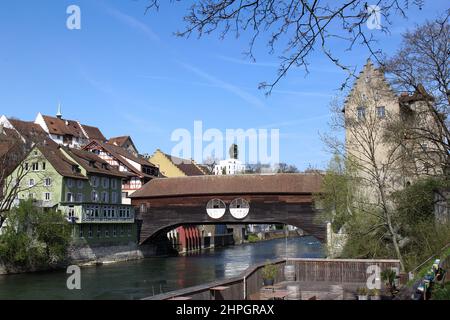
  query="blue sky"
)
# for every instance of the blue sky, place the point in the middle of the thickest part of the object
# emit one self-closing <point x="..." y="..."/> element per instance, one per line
<point x="126" y="73"/>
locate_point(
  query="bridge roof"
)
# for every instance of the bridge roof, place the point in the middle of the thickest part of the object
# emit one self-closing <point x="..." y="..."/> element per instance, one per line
<point x="287" y="183"/>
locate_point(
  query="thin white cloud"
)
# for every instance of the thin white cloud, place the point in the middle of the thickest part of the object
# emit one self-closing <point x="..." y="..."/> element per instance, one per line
<point x="247" y="62"/>
<point x="249" y="98"/>
<point x="296" y="121"/>
<point x="133" y="23"/>
<point x="303" y="93"/>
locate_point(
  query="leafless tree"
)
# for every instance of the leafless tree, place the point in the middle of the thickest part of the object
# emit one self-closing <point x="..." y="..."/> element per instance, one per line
<point x="13" y="171"/>
<point x="378" y="165"/>
<point x="210" y="163"/>
<point x="286" y="168"/>
<point x="293" y="29"/>
<point x="421" y="67"/>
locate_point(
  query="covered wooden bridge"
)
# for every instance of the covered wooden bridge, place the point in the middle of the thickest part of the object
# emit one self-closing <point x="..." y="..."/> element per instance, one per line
<point x="166" y="203"/>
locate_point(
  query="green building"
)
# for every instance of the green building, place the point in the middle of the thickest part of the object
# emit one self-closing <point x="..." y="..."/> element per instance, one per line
<point x="83" y="187"/>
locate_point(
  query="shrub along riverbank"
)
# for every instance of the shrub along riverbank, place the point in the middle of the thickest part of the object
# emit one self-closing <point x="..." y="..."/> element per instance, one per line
<point x="33" y="239"/>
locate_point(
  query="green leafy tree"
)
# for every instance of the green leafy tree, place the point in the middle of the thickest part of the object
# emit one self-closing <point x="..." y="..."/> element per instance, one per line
<point x="34" y="237"/>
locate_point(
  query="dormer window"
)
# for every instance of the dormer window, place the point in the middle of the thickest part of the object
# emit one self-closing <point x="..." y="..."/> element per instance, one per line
<point x="104" y="165"/>
<point x="75" y="169"/>
<point x="91" y="163"/>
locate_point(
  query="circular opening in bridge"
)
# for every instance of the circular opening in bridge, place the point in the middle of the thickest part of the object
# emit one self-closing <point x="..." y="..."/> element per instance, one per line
<point x="216" y="208"/>
<point x="239" y="208"/>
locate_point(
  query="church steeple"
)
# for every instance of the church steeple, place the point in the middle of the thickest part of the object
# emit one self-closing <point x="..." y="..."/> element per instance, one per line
<point x="59" y="114"/>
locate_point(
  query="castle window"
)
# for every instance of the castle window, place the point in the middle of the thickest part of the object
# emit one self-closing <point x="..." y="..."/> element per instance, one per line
<point x="361" y="112"/>
<point x="381" y="112"/>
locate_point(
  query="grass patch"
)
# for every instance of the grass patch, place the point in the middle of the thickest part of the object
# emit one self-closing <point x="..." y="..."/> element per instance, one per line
<point x="252" y="238"/>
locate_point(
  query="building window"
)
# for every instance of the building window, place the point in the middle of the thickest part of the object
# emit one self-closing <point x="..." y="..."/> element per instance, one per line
<point x="124" y="194"/>
<point x="121" y="230"/>
<point x="381" y="112"/>
<point x="69" y="183"/>
<point x="43" y="165"/>
<point x="69" y="197"/>
<point x="94" y="196"/>
<point x="105" y="197"/>
<point x="31" y="183"/>
<point x="90" y="231"/>
<point x="35" y="166"/>
<point x="114" y="231"/>
<point x="80" y="197"/>
<point x="71" y="212"/>
<point x="105" y="183"/>
<point x="94" y="182"/>
<point x="107" y="232"/>
<point x="361" y="112"/>
<point x="81" y="231"/>
<point x="47" y="182"/>
<point x="26" y="166"/>
<point x="99" y="231"/>
<point x="114" y="184"/>
<point x="80" y="184"/>
<point x="114" y="197"/>
<point x="47" y="196"/>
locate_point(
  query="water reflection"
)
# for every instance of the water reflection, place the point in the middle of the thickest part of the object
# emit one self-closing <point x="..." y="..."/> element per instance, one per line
<point x="138" y="279"/>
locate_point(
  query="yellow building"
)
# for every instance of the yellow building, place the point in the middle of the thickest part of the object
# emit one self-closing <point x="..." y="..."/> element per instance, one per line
<point x="170" y="166"/>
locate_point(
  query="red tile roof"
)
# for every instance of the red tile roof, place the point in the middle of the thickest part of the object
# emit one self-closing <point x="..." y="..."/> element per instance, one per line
<point x="29" y="130"/>
<point x="92" y="163"/>
<point x="123" y="156"/>
<point x="288" y="183"/>
<point x="188" y="167"/>
<point x="63" y="127"/>
<point x="119" y="141"/>
<point x="93" y="133"/>
<point x="73" y="128"/>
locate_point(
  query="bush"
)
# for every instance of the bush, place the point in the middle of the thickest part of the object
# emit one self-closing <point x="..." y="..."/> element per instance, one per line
<point x="441" y="292"/>
<point x="253" y="238"/>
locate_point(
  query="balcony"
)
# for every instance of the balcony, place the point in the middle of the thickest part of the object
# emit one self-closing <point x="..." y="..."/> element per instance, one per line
<point x="98" y="213"/>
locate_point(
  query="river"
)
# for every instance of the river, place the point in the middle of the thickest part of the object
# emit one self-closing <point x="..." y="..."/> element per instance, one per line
<point x="143" y="278"/>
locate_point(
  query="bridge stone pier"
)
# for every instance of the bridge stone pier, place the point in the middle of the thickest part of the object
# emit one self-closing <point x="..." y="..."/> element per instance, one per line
<point x="166" y="203"/>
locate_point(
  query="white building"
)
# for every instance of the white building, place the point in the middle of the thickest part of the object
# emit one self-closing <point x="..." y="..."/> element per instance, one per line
<point x="229" y="167"/>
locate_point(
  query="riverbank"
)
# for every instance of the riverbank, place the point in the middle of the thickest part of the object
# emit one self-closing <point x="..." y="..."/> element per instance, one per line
<point x="84" y="255"/>
<point x="274" y="234"/>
